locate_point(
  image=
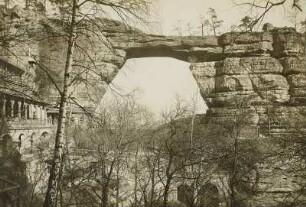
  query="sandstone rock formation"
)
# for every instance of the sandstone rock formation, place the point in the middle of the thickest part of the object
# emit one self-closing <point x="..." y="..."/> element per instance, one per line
<point x="267" y="70"/>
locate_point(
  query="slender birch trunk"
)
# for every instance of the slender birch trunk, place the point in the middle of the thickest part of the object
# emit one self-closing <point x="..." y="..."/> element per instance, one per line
<point x="54" y="178"/>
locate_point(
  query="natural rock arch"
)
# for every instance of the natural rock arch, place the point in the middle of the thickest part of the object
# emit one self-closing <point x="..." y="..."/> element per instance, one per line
<point x="268" y="66"/>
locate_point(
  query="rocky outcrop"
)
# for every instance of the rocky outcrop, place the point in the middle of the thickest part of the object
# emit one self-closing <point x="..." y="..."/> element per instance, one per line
<point x="267" y="65"/>
<point x="267" y="68"/>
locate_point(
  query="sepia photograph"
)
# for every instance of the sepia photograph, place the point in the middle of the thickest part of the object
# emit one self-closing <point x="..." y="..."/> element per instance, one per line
<point x="152" y="103"/>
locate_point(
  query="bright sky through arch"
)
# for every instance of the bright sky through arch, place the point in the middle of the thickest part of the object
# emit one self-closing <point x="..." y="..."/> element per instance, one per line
<point x="157" y="83"/>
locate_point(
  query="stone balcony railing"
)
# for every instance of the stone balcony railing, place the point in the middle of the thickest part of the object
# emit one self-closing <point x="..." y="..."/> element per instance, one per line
<point x="17" y="123"/>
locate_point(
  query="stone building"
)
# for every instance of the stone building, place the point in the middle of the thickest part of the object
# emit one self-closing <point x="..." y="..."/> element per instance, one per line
<point x="26" y="124"/>
<point x="23" y="113"/>
<point x="76" y="115"/>
<point x="23" y="120"/>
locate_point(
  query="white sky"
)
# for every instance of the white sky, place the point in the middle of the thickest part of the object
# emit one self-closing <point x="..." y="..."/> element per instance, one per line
<point x="159" y="80"/>
<point x="158" y="83"/>
<point x="169" y="13"/>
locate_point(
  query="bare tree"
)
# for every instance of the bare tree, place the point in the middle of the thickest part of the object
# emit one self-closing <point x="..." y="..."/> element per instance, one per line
<point x="178" y="28"/>
<point x="95" y="173"/>
<point x="266" y="6"/>
<point x="176" y="149"/>
<point x="212" y="22"/>
<point x="75" y="19"/>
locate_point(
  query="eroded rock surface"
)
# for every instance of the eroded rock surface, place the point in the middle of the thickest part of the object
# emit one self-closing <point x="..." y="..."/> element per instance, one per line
<point x="266" y="68"/>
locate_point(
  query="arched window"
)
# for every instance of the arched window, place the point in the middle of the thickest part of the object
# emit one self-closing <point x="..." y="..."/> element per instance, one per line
<point x="185" y="194"/>
<point x="208" y="196"/>
<point x="45" y="135"/>
<point x="20" y="140"/>
<point x="32" y="139"/>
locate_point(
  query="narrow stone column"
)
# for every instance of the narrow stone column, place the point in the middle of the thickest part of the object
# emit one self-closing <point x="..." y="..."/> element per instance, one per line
<point x="19" y="109"/>
<point x="40" y="114"/>
<point x="4" y="107"/>
<point x="12" y="107"/>
<point x="34" y="111"/>
<point x="45" y="114"/>
<point x="30" y="111"/>
<point x="25" y="105"/>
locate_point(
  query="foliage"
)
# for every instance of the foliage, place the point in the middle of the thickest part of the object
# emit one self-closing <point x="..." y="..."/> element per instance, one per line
<point x="246" y="23"/>
<point x="262" y="8"/>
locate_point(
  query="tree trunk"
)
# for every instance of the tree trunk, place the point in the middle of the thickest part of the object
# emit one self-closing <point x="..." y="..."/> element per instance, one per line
<point x="136" y="178"/>
<point x="54" y="178"/>
<point x="168" y="182"/>
<point x="234" y="176"/>
<point x="117" y="185"/>
<point x="27" y="3"/>
<point x="166" y="192"/>
<point x="152" y="199"/>
<point x="104" y="200"/>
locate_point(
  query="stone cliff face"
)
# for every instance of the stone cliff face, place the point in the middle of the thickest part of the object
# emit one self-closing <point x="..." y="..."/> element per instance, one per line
<point x="268" y="68"/>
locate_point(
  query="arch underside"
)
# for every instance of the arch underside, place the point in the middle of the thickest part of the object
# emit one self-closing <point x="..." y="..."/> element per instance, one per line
<point x="200" y="55"/>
